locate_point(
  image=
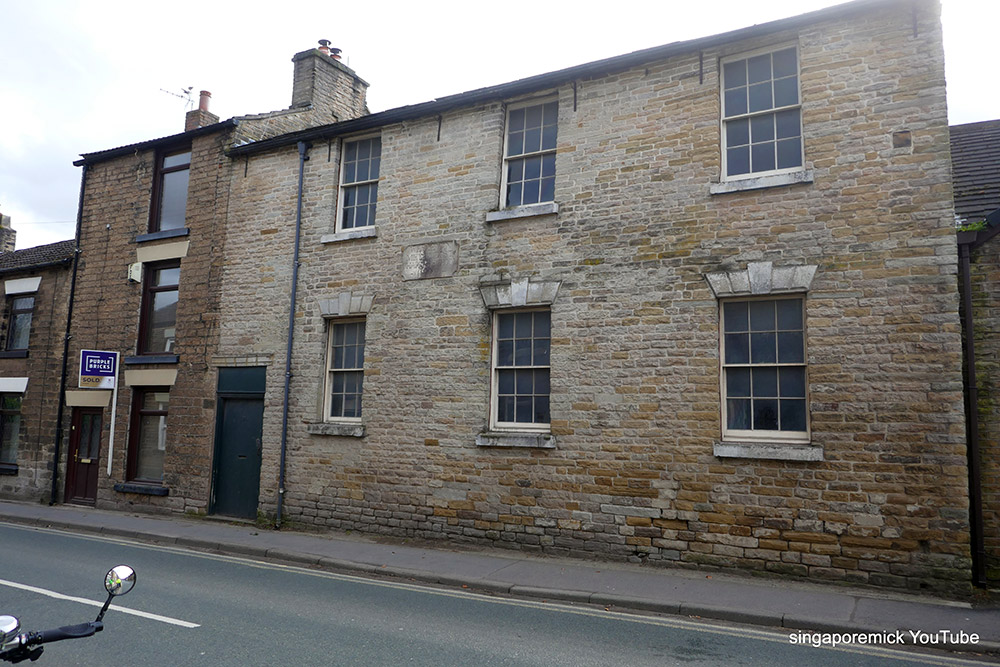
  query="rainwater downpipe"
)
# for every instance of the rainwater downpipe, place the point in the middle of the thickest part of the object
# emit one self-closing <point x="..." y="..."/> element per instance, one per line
<point x="972" y="422"/>
<point x="303" y="156"/>
<point x="65" y="360"/>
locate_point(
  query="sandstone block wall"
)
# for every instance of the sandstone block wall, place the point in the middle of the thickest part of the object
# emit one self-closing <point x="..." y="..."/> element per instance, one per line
<point x="635" y="343"/>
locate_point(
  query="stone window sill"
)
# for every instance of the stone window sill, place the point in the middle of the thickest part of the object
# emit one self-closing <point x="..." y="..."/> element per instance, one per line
<point x="145" y="489"/>
<point x="330" y="428"/>
<point x="363" y="233"/>
<point x="769" y="450"/>
<point x="13" y="354"/>
<point x="760" y="182"/>
<point x="165" y="234"/>
<point x="532" y="440"/>
<point x="8" y="468"/>
<point x="151" y="359"/>
<point x="548" y="208"/>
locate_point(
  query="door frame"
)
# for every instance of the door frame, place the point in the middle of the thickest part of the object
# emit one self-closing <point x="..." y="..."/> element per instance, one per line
<point x="73" y="448"/>
<point x="234" y="383"/>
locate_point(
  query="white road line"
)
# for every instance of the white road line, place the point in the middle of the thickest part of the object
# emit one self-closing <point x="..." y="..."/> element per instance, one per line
<point x="134" y="612"/>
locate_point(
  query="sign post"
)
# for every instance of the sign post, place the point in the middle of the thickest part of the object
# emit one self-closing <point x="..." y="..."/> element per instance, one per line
<point x="99" y="370"/>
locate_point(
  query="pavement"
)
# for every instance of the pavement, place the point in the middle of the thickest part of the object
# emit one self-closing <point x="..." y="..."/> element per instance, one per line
<point x="793" y="606"/>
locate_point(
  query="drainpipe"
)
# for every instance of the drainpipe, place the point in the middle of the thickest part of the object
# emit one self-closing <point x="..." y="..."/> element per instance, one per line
<point x="972" y="422"/>
<point x="303" y="150"/>
<point x="66" y="338"/>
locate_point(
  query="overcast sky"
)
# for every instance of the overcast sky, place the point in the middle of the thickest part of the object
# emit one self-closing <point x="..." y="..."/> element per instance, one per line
<point x="82" y="76"/>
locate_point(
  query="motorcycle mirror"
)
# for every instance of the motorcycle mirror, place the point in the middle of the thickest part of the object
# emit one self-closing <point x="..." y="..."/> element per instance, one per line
<point x="9" y="627"/>
<point x="119" y="580"/>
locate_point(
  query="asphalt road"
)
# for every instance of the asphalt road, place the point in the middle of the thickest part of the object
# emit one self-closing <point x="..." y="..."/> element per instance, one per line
<point x="204" y="609"/>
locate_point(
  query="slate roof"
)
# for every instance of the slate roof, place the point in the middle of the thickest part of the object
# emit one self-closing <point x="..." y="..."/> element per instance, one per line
<point x="975" y="166"/>
<point x="37" y="257"/>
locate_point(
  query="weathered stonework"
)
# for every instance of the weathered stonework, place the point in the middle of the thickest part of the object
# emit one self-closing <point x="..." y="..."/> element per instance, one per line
<point x="635" y="398"/>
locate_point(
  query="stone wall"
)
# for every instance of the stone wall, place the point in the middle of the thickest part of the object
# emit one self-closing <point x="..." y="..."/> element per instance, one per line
<point x="635" y="347"/>
<point x="43" y="368"/>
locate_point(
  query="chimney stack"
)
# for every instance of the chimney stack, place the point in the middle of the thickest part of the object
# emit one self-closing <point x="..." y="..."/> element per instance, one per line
<point x="325" y="84"/>
<point x="7" y="234"/>
<point x="201" y="116"/>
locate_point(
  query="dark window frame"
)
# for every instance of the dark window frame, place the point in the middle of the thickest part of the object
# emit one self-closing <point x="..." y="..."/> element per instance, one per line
<point x="5" y="414"/>
<point x="12" y="313"/>
<point x="149" y="290"/>
<point x="135" y="429"/>
<point x="156" y="205"/>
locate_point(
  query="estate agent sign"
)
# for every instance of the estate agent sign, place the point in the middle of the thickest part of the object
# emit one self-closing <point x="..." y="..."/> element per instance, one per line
<point x="98" y="369"/>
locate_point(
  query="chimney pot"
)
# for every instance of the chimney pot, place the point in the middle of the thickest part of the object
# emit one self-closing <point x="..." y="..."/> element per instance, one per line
<point x="324" y="46"/>
<point x="203" y="101"/>
<point x="335" y="53"/>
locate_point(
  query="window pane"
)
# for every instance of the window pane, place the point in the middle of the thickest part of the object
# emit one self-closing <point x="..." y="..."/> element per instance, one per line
<point x="524" y="382"/>
<point x="533" y="116"/>
<point x="505" y="408"/>
<point x="162" y="322"/>
<point x="505" y="382"/>
<point x="735" y="315"/>
<point x="738" y="161"/>
<point x="337" y="405"/>
<point x="738" y="132"/>
<point x="760" y="96"/>
<point x="789" y="153"/>
<point x="790" y="348"/>
<point x="786" y="91"/>
<point x="736" y="102"/>
<point x="738" y="413"/>
<point x="761" y="316"/>
<point x="515" y="143"/>
<point x="759" y="68"/>
<point x="524" y="324"/>
<point x="784" y="63"/>
<point x="548" y="137"/>
<point x="737" y="382"/>
<point x="762" y="157"/>
<point x="762" y="348"/>
<point x="792" y="382"/>
<point x="10" y="429"/>
<point x="547" y="190"/>
<point x="793" y="415"/>
<point x="532" y="168"/>
<point x="789" y="313"/>
<point x="517" y="119"/>
<point x="514" y="194"/>
<point x="529" y="192"/>
<point x="765" y="414"/>
<point x="737" y="348"/>
<point x="533" y="140"/>
<point x="541" y="352"/>
<point x="177" y="160"/>
<point x="542" y="382"/>
<point x="762" y="128"/>
<point x="173" y="199"/>
<point x="549" y="165"/>
<point x="522" y="352"/>
<point x="765" y="382"/>
<point x="542" y="324"/>
<point x="505" y="353"/>
<point x="524" y="409"/>
<point x="20" y="330"/>
<point x="787" y="122"/>
<point x="505" y="326"/>
<point x="541" y="410"/>
<point x="735" y="73"/>
<point x="164" y="277"/>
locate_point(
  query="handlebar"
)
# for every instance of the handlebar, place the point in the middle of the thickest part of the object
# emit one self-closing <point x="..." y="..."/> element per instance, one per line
<point x="27" y="646"/>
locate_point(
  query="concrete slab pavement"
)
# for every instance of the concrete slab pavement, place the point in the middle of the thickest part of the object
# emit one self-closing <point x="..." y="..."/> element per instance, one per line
<point x="792" y="605"/>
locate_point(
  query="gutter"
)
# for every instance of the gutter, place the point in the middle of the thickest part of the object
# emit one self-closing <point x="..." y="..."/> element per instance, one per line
<point x="65" y="356"/>
<point x="303" y="156"/>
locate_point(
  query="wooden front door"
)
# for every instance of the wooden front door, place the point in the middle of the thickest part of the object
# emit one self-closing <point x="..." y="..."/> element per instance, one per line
<point x="84" y="451"/>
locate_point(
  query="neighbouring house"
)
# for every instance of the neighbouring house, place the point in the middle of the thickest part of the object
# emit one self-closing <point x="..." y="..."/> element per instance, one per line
<point x="152" y="233"/>
<point x="975" y="151"/>
<point x="691" y="305"/>
<point x="36" y="289"/>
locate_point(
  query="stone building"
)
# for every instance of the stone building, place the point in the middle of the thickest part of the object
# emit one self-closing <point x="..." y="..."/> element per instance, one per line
<point x="152" y="232"/>
<point x="975" y="149"/>
<point x="695" y="304"/>
<point x="36" y="288"/>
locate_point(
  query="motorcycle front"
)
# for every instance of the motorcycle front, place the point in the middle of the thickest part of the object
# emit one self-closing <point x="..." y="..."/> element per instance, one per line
<point x="16" y="646"/>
